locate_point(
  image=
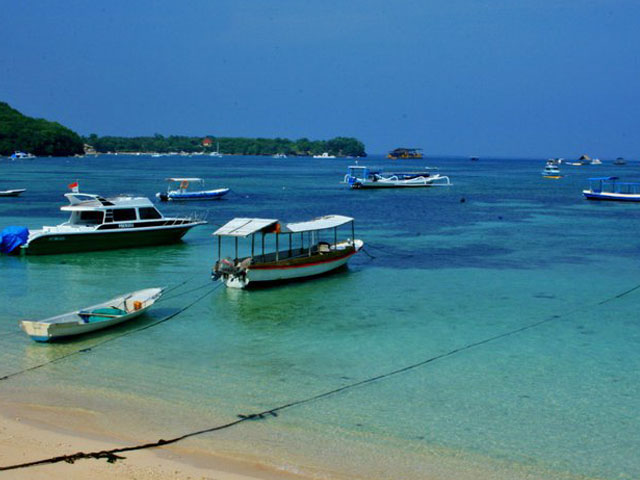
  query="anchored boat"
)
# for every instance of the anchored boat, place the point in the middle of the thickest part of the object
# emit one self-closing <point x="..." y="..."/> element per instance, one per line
<point x="609" y="188"/>
<point x="178" y="189"/>
<point x="405" y="153"/>
<point x="103" y="315"/>
<point x="98" y="223"/>
<point x="12" y="193"/>
<point x="551" y="170"/>
<point x="306" y="251"/>
<point x="364" y="177"/>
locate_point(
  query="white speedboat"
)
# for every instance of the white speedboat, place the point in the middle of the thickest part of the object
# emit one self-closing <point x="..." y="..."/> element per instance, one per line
<point x="304" y="253"/>
<point x="178" y="189"/>
<point x="103" y="315"/>
<point x="551" y="170"/>
<point x="98" y="223"/>
<point x="17" y="155"/>
<point x="363" y="177"/>
<point x="12" y="193"/>
<point x="324" y="155"/>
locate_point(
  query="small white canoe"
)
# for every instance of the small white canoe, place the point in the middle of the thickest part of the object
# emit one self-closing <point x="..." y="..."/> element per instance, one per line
<point x="12" y="193"/>
<point x="96" y="317"/>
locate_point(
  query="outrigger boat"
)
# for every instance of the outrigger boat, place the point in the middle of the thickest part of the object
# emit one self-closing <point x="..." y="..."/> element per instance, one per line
<point x="182" y="191"/>
<point x="12" y="193"/>
<point x="608" y="188"/>
<point x="306" y="254"/>
<point x="98" y="223"/>
<point x="364" y="177"/>
<point x="405" y="153"/>
<point x="103" y="315"/>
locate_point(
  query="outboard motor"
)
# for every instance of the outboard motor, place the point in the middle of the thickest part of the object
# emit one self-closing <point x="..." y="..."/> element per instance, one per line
<point x="11" y="238"/>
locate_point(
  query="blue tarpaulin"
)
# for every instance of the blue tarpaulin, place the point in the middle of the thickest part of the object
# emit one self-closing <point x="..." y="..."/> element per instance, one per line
<point x="12" y="237"/>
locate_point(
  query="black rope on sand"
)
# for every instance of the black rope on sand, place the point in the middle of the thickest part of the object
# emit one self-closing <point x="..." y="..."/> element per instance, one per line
<point x="112" y="455"/>
<point x="108" y="340"/>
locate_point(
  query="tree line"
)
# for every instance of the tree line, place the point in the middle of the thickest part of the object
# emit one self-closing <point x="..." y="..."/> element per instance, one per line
<point x="339" y="146"/>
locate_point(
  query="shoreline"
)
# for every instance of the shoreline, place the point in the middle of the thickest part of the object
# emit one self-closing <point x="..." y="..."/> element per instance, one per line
<point x="27" y="434"/>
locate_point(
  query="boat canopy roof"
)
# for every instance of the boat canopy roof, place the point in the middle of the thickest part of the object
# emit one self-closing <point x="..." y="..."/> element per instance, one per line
<point x="321" y="223"/>
<point x="243" y="227"/>
<point x="183" y="179"/>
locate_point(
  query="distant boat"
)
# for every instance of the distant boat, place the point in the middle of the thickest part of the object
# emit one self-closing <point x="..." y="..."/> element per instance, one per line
<point x="12" y="193"/>
<point x="17" y="155"/>
<point x="405" y="153"/>
<point x="551" y="170"/>
<point x="182" y="192"/>
<point x="363" y="177"/>
<point x="280" y="155"/>
<point x="474" y="159"/>
<point x="103" y="315"/>
<point x="619" y="161"/>
<point x="609" y="188"/>
<point x="299" y="252"/>
<point x="217" y="153"/>
<point x="324" y="155"/>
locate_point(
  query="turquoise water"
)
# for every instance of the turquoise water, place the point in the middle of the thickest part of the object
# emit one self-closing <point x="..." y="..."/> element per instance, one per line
<point x="501" y="249"/>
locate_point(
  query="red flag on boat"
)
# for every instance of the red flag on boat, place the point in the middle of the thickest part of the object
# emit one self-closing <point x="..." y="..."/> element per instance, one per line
<point x="74" y="187"/>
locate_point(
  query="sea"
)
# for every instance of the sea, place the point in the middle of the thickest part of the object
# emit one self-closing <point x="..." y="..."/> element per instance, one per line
<point x="489" y="329"/>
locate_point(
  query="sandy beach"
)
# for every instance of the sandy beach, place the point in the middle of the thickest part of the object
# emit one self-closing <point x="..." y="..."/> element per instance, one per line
<point x="30" y="432"/>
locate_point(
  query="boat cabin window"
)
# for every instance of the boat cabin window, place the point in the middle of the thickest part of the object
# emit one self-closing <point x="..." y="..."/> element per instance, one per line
<point x="90" y="218"/>
<point x="148" y="213"/>
<point x="124" y="214"/>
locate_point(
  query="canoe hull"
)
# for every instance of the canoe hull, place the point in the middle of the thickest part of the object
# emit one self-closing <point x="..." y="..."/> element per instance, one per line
<point x="617" y="197"/>
<point x="78" y="323"/>
<point x="56" y="243"/>
<point x="12" y="193"/>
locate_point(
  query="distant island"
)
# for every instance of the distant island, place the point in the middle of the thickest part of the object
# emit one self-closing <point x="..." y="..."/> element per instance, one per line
<point x="41" y="137"/>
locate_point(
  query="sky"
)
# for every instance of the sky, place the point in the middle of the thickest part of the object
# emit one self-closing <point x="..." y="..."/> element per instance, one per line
<point x="506" y="78"/>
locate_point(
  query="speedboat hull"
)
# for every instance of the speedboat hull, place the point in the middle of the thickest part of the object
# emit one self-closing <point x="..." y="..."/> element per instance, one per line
<point x="72" y="242"/>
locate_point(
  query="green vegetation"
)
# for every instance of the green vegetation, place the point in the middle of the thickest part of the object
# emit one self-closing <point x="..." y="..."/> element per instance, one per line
<point x="340" y="146"/>
<point x="35" y="135"/>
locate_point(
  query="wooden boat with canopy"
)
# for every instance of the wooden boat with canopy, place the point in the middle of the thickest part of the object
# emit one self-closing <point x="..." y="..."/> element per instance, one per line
<point x="300" y="250"/>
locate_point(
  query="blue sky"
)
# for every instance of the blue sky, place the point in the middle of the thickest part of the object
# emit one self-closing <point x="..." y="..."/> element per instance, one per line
<point x="515" y="78"/>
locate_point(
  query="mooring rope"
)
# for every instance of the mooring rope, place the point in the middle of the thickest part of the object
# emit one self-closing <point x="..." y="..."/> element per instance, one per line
<point x="112" y="455"/>
<point x="111" y="339"/>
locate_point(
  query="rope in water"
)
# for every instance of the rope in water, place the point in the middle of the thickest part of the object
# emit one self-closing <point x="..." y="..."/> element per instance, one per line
<point x="112" y="455"/>
<point x="108" y="340"/>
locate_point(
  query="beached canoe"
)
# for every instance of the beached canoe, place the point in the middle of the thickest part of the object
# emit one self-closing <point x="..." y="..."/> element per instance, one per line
<point x="106" y="314"/>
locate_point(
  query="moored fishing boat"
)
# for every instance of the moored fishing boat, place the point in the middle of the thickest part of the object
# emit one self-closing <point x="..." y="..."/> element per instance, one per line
<point x="96" y="317"/>
<point x="98" y="223"/>
<point x="12" y="193"/>
<point x="363" y="177"/>
<point x="303" y="257"/>
<point x="182" y="191"/>
<point x="609" y="188"/>
<point x="405" y="153"/>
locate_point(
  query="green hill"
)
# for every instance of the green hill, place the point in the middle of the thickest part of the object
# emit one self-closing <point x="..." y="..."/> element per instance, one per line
<point x="35" y="135"/>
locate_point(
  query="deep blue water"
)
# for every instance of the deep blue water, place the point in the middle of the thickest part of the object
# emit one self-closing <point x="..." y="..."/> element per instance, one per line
<point x="501" y="249"/>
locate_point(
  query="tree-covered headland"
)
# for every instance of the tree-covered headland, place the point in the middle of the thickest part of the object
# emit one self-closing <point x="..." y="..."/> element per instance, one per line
<point x="35" y="135"/>
<point x="339" y="146"/>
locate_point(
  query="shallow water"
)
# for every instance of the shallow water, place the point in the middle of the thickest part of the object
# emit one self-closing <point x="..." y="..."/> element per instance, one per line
<point x="501" y="249"/>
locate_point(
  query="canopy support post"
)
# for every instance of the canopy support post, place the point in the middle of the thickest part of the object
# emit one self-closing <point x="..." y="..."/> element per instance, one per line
<point x="335" y="236"/>
<point x="219" y="247"/>
<point x="277" y="246"/>
<point x="289" y="245"/>
<point x="236" y="248"/>
<point x="263" y="246"/>
<point x="353" y="233"/>
<point x="253" y="243"/>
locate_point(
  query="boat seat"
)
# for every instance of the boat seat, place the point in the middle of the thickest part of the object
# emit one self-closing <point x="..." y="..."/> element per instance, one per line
<point x="324" y="247"/>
